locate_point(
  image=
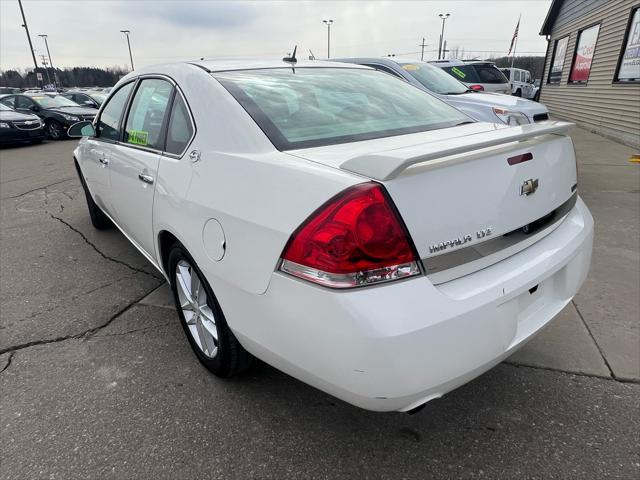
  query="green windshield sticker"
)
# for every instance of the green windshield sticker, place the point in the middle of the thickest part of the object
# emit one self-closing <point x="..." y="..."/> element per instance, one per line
<point x="137" y="137"/>
<point x="458" y="72"/>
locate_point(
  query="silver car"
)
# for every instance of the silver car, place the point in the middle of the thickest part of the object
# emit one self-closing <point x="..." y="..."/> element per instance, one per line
<point x="486" y="107"/>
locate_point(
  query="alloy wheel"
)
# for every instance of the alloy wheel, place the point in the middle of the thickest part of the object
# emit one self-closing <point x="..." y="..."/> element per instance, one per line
<point x="197" y="313"/>
<point x="54" y="130"/>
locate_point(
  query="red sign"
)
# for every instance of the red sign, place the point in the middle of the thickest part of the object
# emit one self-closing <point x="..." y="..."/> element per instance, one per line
<point x="584" y="54"/>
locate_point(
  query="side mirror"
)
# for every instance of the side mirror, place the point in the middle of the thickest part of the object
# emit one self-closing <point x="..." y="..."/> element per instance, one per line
<point x="34" y="108"/>
<point x="81" y="129"/>
<point x="89" y="103"/>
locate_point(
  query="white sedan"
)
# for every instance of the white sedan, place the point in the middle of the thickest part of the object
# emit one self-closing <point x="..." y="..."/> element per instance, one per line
<point x="339" y="224"/>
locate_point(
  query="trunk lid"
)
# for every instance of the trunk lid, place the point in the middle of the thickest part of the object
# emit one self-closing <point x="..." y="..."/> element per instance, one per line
<point x="465" y="193"/>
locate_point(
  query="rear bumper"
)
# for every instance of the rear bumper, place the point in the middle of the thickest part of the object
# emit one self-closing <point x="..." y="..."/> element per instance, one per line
<point x="396" y="346"/>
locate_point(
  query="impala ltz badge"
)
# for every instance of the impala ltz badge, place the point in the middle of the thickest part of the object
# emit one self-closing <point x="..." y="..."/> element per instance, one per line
<point x="529" y="187"/>
<point x="461" y="240"/>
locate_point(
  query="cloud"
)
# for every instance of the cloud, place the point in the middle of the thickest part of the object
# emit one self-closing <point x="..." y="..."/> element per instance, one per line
<point x="196" y="14"/>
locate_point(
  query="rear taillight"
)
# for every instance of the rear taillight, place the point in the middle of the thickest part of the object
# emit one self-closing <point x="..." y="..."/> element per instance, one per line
<point x="477" y="88"/>
<point x="355" y="239"/>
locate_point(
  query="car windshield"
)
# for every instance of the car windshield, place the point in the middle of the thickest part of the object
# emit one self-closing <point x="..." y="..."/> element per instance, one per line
<point x="98" y="97"/>
<point x="51" y="101"/>
<point x="324" y="106"/>
<point x="434" y="79"/>
<point x="4" y="108"/>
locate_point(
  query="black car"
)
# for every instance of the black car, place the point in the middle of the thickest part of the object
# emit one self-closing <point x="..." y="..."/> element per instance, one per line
<point x="18" y="127"/>
<point x="86" y="99"/>
<point x="57" y="113"/>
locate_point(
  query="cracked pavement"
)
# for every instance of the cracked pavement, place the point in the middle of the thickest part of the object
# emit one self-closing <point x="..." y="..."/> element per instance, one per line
<point x="98" y="381"/>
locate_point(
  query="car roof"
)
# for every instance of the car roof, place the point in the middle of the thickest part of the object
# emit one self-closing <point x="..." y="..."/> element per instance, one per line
<point x="226" y="65"/>
<point x="176" y="69"/>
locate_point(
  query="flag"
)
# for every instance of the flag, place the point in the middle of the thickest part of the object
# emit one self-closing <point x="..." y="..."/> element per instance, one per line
<point x="513" y="39"/>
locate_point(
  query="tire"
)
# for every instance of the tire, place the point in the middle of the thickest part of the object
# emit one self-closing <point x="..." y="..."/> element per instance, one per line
<point x="98" y="219"/>
<point x="518" y="93"/>
<point x="55" y="130"/>
<point x="218" y="349"/>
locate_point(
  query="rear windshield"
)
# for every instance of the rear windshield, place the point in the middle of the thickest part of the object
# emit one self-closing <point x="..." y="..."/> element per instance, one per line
<point x="477" y="73"/>
<point x="434" y="79"/>
<point x="325" y="106"/>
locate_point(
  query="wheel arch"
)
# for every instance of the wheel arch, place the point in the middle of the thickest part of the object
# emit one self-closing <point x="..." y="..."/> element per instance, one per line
<point x="165" y="240"/>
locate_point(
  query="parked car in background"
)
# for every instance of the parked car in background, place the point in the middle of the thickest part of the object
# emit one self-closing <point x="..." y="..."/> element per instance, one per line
<point x="486" y="107"/>
<point x="16" y="127"/>
<point x="91" y="98"/>
<point x="57" y="113"/>
<point x="346" y="227"/>
<point x="521" y="82"/>
<point x="7" y="90"/>
<point x="477" y="75"/>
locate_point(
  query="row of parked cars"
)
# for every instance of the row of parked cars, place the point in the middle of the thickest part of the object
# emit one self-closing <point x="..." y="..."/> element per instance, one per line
<point x="33" y="115"/>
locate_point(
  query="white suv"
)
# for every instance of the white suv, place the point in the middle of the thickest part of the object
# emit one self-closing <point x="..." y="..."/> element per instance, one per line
<point x="477" y="75"/>
<point x="342" y="225"/>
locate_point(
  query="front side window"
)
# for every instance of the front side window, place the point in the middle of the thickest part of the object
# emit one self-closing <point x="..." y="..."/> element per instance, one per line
<point x="147" y="112"/>
<point x="583" y="57"/>
<point x="325" y="106"/>
<point x="180" y="129"/>
<point x="629" y="64"/>
<point x="108" y="126"/>
<point x="434" y="79"/>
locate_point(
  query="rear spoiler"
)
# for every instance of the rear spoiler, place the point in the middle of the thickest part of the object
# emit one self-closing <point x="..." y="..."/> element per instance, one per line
<point x="388" y="165"/>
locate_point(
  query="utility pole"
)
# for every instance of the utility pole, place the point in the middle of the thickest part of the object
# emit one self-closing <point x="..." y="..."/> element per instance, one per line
<point x="50" y="61"/>
<point x="328" y="23"/>
<point x="55" y="77"/>
<point x="24" y="24"/>
<point x="422" y="45"/>
<point x="127" y="32"/>
<point x="443" y="16"/>
<point x="44" y="62"/>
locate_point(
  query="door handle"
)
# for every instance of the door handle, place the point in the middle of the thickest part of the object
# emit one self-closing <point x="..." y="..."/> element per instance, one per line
<point x="145" y="178"/>
<point x="103" y="161"/>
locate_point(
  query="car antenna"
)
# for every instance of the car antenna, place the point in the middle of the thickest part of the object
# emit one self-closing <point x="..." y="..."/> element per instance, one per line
<point x="292" y="59"/>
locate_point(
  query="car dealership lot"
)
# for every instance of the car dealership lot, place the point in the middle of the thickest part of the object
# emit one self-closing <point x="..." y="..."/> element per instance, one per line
<point x="98" y="379"/>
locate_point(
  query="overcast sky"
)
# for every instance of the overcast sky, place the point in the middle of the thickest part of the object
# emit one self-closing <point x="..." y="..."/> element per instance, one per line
<point x="87" y="33"/>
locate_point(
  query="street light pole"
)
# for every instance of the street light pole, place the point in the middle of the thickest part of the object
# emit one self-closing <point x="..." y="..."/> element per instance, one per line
<point x="127" y="32"/>
<point x="328" y="23"/>
<point x="24" y="24"/>
<point x="440" y="49"/>
<point x="49" y="55"/>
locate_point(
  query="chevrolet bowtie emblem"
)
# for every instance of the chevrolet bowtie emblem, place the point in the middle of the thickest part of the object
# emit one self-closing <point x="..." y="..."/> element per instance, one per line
<point x="529" y="187"/>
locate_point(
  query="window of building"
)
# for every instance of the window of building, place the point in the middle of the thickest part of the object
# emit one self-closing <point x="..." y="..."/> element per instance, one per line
<point x="629" y="63"/>
<point x="557" y="62"/>
<point x="583" y="56"/>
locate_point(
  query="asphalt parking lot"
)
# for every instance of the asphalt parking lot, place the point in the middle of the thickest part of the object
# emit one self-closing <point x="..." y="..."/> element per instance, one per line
<point x="98" y="381"/>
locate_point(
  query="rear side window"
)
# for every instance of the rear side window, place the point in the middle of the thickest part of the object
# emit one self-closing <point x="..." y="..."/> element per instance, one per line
<point x="108" y="126"/>
<point x="325" y="106"/>
<point x="147" y="113"/>
<point x="180" y="129"/>
<point x="464" y="73"/>
<point x="9" y="101"/>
